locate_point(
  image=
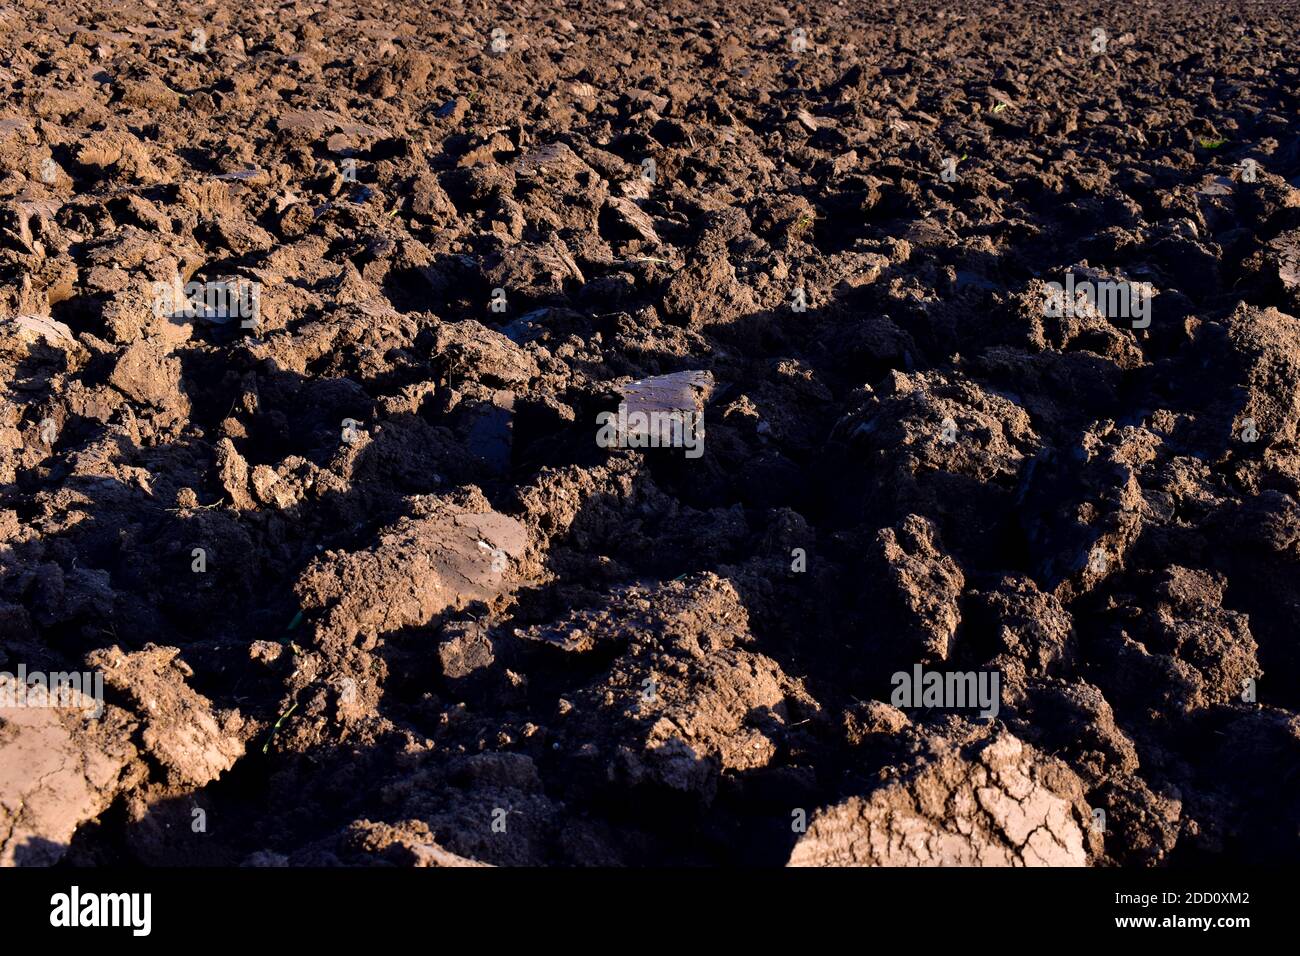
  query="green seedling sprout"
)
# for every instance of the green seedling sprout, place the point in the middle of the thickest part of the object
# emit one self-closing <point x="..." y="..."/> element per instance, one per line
<point x="283" y="717"/>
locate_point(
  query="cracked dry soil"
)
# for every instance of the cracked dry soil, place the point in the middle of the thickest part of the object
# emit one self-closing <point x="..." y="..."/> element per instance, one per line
<point x="364" y="589"/>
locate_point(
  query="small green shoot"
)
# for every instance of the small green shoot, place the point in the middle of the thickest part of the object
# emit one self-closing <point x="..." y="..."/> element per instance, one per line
<point x="801" y="225"/>
<point x="283" y="717"/>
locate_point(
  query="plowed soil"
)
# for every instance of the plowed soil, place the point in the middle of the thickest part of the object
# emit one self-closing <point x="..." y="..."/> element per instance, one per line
<point x="363" y="586"/>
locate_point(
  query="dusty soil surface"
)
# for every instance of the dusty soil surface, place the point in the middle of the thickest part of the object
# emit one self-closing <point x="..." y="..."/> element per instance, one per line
<point x="363" y="586"/>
